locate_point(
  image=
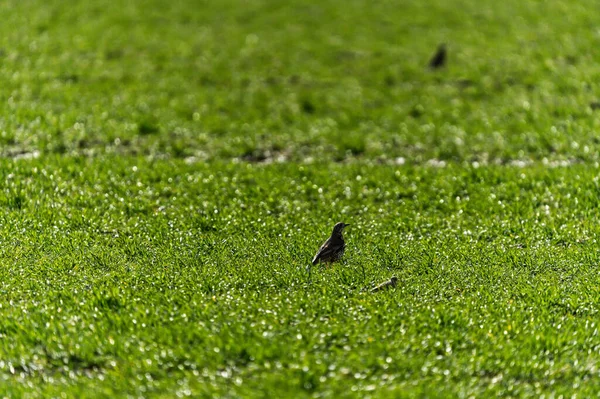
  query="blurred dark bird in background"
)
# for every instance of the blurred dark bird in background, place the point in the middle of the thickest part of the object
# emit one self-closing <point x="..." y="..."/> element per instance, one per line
<point x="439" y="58"/>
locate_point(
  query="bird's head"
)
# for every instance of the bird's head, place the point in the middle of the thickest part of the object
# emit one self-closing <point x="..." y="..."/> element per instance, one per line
<point x="339" y="228"/>
<point x="394" y="280"/>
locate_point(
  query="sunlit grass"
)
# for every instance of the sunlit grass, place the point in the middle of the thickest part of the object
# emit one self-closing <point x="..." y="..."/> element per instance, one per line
<point x="170" y="169"/>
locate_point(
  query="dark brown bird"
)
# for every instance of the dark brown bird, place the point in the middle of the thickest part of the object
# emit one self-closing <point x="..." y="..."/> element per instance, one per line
<point x="384" y="286"/>
<point x="439" y="58"/>
<point x="332" y="249"/>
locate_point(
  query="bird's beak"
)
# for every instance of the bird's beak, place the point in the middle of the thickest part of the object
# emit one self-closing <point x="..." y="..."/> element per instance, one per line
<point x="346" y="225"/>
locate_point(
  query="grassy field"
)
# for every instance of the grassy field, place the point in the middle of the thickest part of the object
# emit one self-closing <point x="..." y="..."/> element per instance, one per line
<point x="170" y="169"/>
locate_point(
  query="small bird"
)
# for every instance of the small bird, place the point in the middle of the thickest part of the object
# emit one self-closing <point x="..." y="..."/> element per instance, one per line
<point x="439" y="58"/>
<point x="385" y="285"/>
<point x="332" y="249"/>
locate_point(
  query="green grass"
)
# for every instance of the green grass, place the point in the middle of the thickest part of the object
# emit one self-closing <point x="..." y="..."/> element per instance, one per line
<point x="170" y="168"/>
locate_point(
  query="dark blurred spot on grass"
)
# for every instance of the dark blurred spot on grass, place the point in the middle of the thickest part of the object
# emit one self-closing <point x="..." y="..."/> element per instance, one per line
<point x="114" y="54"/>
<point x="308" y="107"/>
<point x="146" y="128"/>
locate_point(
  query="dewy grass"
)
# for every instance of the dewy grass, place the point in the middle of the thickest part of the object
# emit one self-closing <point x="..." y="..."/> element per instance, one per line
<point x="170" y="168"/>
<point x="130" y="276"/>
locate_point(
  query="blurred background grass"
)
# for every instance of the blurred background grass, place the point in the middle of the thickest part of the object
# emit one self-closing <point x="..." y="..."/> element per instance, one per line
<point x="280" y="80"/>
